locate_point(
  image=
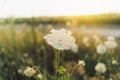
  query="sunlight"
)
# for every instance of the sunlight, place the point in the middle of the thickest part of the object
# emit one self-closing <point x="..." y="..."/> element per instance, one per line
<point x="27" y="8"/>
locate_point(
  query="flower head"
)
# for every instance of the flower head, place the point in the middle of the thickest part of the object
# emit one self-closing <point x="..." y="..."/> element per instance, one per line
<point x="29" y="72"/>
<point x="110" y="38"/>
<point x="111" y="44"/>
<point x="20" y="71"/>
<point x="81" y="62"/>
<point x="114" y="62"/>
<point x="100" y="68"/>
<point x="39" y="76"/>
<point x="60" y="39"/>
<point x="101" y="49"/>
<point x="74" y="48"/>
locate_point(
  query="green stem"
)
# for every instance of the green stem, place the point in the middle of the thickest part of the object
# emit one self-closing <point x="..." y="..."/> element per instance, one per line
<point x="57" y="62"/>
<point x="55" y="65"/>
<point x="99" y="76"/>
<point x="99" y="59"/>
<point x="68" y="77"/>
<point x="58" y="55"/>
<point x="74" y="69"/>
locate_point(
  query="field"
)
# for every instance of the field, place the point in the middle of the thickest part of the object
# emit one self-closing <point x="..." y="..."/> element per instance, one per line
<point x="25" y="53"/>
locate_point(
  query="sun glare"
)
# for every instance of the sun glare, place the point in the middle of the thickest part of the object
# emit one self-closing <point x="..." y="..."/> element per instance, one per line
<point x="27" y="8"/>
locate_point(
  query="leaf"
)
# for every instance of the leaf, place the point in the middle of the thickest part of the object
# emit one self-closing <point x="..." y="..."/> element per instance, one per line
<point x="61" y="70"/>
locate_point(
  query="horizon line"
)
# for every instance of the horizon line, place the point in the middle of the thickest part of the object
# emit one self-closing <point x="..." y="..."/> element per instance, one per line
<point x="60" y="15"/>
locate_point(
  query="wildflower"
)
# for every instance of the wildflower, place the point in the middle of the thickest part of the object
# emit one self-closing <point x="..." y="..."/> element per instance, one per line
<point x="60" y="39"/>
<point x="29" y="72"/>
<point x="81" y="62"/>
<point x="39" y="76"/>
<point x="111" y="44"/>
<point x="110" y="78"/>
<point x="100" y="68"/>
<point x="25" y="55"/>
<point x="114" y="62"/>
<point x="110" y="38"/>
<point x="101" y="49"/>
<point x="20" y="71"/>
<point x="74" y="48"/>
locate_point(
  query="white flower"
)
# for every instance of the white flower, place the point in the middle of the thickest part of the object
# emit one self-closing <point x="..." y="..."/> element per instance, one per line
<point x="20" y="71"/>
<point x="111" y="44"/>
<point x="60" y="39"/>
<point x="110" y="78"/>
<point x="114" y="62"/>
<point x="74" y="48"/>
<point x="39" y="76"/>
<point x="81" y="62"/>
<point x="101" y="49"/>
<point x="110" y="38"/>
<point x="29" y="72"/>
<point x="100" y="68"/>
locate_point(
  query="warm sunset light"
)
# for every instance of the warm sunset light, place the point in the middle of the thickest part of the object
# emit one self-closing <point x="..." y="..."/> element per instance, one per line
<point x="27" y="8"/>
<point x="59" y="39"/>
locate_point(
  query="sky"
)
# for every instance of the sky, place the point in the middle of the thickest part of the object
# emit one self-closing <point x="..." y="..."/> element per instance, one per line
<point x="29" y="8"/>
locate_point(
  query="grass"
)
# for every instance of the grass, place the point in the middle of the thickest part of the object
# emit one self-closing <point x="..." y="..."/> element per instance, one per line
<point x="23" y="45"/>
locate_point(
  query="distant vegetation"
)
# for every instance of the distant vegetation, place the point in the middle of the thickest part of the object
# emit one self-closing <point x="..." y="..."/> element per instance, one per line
<point x="89" y="19"/>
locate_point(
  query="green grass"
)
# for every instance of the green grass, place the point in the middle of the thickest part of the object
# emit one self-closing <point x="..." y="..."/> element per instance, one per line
<point x="23" y="45"/>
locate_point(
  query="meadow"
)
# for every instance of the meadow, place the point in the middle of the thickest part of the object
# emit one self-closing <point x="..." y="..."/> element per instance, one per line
<point x="25" y="53"/>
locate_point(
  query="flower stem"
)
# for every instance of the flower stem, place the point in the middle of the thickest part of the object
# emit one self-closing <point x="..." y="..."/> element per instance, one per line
<point x="99" y="76"/>
<point x="57" y="62"/>
<point x="73" y="69"/>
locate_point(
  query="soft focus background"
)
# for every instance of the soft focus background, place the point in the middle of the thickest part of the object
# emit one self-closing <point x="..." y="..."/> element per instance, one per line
<point x="24" y="23"/>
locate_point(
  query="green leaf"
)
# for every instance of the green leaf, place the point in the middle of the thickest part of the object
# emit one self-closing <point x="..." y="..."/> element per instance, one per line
<point x="61" y="70"/>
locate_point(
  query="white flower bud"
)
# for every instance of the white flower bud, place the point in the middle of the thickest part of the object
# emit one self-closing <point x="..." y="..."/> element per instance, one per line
<point x="81" y="62"/>
<point x="110" y="38"/>
<point x="100" y="68"/>
<point x="111" y="44"/>
<point x="74" y="48"/>
<point x="101" y="49"/>
<point x="39" y="76"/>
<point x="29" y="72"/>
<point x="114" y="62"/>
